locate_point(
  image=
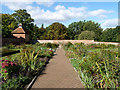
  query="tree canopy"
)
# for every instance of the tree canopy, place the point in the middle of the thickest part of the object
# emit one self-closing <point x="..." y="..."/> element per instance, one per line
<point x="8" y="24"/>
<point x="86" y="35"/>
<point x="22" y="16"/>
<point x="110" y="34"/>
<point x="56" y="31"/>
<point x="77" y="27"/>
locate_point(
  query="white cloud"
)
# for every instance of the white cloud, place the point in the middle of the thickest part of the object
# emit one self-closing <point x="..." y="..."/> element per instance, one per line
<point x="15" y="5"/>
<point x="99" y="12"/>
<point x="59" y="7"/>
<point x="60" y="14"/>
<point x="110" y="23"/>
<point x="39" y="2"/>
<point x="102" y="16"/>
<point x="45" y="2"/>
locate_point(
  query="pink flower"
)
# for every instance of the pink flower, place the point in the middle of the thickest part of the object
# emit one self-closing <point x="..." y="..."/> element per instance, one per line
<point x="6" y="64"/>
<point x="3" y="66"/>
<point x="5" y="71"/>
<point x="3" y="63"/>
<point x="6" y="60"/>
<point x="11" y="63"/>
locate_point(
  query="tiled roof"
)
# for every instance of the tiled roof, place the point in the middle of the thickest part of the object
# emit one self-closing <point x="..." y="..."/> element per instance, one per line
<point x="18" y="30"/>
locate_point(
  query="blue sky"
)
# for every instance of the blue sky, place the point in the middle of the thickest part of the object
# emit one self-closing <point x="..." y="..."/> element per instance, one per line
<point x="105" y="13"/>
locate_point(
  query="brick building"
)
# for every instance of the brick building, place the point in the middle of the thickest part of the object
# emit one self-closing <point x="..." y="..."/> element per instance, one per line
<point x="21" y="33"/>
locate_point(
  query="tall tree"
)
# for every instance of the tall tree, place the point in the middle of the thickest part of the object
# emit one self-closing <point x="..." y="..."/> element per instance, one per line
<point x="76" y="28"/>
<point x="42" y="33"/>
<point x="111" y="34"/>
<point x="87" y="35"/>
<point x="8" y="24"/>
<point x="57" y="31"/>
<point x="21" y="16"/>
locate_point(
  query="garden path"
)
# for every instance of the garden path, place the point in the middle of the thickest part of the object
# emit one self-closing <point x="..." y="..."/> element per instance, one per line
<point x="59" y="73"/>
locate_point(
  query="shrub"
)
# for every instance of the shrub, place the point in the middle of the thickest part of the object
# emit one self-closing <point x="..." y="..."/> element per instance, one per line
<point x="86" y="35"/>
<point x="20" y="68"/>
<point x="10" y="46"/>
<point x="9" y="69"/>
<point x="97" y="69"/>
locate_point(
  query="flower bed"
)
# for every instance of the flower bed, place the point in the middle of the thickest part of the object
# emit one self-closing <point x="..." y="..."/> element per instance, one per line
<point x="6" y="52"/>
<point x="96" y="68"/>
<point x="19" y="69"/>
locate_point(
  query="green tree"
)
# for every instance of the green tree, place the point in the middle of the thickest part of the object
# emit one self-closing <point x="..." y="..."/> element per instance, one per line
<point x="56" y="31"/>
<point x="95" y="27"/>
<point x="8" y="25"/>
<point x="76" y="28"/>
<point x="86" y="35"/>
<point x="110" y="35"/>
<point x="42" y="34"/>
<point x="35" y="33"/>
<point x="21" y="16"/>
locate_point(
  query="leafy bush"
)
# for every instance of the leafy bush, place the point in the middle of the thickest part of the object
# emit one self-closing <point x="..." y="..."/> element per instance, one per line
<point x="6" y="52"/>
<point x="9" y="69"/>
<point x="10" y="46"/>
<point x="20" y="68"/>
<point x="86" y="35"/>
<point x="50" y="45"/>
<point x="15" y="83"/>
<point x="96" y="69"/>
<point x="68" y="45"/>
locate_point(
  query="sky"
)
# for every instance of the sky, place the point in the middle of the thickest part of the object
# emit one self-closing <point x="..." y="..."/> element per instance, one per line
<point x="49" y="11"/>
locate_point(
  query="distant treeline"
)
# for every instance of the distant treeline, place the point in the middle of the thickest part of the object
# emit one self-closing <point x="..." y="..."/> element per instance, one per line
<point x="81" y="30"/>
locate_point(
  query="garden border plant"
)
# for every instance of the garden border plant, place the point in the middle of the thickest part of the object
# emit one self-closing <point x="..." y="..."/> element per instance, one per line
<point x="97" y="69"/>
<point x="22" y="68"/>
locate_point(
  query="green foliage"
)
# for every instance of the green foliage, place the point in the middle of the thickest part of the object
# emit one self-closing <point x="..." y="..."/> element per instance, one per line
<point x="6" y="51"/>
<point x="23" y="17"/>
<point x="19" y="69"/>
<point x="97" y="69"/>
<point x="8" y="25"/>
<point x="76" y="28"/>
<point x="9" y="69"/>
<point x="86" y="35"/>
<point x="110" y="35"/>
<point x="50" y="45"/>
<point x="68" y="45"/>
<point x="16" y="83"/>
<point x="56" y="31"/>
<point x="10" y="46"/>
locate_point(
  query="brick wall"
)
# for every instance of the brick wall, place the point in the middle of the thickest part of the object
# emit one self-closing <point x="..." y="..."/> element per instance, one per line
<point x="76" y="41"/>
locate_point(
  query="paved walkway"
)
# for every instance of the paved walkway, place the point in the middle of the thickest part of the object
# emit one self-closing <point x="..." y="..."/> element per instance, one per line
<point x="59" y="73"/>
